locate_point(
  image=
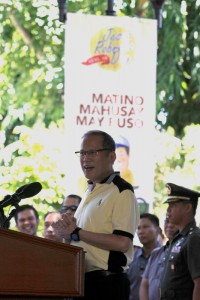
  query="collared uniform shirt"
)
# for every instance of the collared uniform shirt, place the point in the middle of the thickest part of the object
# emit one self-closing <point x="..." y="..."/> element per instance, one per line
<point x="182" y="264"/>
<point x="135" y="272"/>
<point x="154" y="270"/>
<point x="111" y="207"/>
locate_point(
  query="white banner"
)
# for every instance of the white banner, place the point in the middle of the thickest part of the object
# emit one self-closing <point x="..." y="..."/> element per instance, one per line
<point x="110" y="84"/>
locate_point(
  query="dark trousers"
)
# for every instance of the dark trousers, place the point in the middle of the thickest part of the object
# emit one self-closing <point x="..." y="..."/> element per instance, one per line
<point x="105" y="285"/>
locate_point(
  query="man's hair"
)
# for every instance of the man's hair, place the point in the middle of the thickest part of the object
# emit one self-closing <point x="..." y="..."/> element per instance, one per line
<point x="74" y="196"/>
<point x="51" y="212"/>
<point x="107" y="141"/>
<point x="24" y="207"/>
<point x="154" y="219"/>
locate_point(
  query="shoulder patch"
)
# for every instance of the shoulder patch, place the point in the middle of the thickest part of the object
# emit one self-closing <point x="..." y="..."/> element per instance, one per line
<point x="122" y="184"/>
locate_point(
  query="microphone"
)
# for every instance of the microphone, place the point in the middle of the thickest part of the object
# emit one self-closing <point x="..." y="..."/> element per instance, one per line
<point x="25" y="191"/>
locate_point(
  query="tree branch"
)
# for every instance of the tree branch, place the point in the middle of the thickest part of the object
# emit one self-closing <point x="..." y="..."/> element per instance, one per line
<point x="24" y="34"/>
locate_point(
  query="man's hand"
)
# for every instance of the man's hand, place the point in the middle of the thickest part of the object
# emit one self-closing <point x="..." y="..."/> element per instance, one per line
<point x="65" y="226"/>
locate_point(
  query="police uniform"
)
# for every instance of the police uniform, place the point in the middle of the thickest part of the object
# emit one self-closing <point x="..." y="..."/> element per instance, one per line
<point x="135" y="272"/>
<point x="183" y="258"/>
<point x="154" y="270"/>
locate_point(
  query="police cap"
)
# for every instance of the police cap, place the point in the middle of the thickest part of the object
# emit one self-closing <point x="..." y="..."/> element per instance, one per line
<point x="178" y="193"/>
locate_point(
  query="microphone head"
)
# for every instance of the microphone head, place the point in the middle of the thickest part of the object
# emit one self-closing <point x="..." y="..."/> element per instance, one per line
<point x="29" y="190"/>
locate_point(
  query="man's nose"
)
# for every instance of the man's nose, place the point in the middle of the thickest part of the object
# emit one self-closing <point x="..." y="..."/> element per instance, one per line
<point x="85" y="157"/>
<point x="49" y="228"/>
<point x="26" y="221"/>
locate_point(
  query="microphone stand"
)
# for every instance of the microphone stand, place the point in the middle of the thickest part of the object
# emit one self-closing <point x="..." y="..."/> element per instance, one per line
<point x="2" y="217"/>
<point x="6" y="223"/>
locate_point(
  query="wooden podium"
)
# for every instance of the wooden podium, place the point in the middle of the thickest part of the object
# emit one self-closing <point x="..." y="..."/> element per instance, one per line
<point x="37" y="268"/>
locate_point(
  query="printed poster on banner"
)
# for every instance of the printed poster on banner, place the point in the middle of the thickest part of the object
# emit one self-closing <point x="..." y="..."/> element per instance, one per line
<point x="110" y="84"/>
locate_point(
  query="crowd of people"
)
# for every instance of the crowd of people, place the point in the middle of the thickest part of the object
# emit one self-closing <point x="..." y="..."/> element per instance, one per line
<point x="104" y="223"/>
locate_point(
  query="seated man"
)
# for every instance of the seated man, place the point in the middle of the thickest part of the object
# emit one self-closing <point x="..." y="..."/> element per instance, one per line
<point x="49" y="232"/>
<point x="70" y="204"/>
<point x="27" y="219"/>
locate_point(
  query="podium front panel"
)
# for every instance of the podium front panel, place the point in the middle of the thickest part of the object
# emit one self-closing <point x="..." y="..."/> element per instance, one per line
<point x="36" y="266"/>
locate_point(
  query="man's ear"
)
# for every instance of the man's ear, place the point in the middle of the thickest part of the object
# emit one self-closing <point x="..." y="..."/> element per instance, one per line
<point x="190" y="207"/>
<point x="113" y="156"/>
<point x="158" y="231"/>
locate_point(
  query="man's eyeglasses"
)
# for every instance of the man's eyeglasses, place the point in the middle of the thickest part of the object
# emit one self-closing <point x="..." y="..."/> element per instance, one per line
<point x="73" y="208"/>
<point x="90" y="153"/>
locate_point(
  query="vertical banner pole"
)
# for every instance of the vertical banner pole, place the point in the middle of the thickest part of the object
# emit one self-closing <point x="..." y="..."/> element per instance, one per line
<point x="62" y="6"/>
<point x="110" y="11"/>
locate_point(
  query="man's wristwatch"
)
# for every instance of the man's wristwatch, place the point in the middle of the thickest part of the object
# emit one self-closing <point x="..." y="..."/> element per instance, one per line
<point x="75" y="234"/>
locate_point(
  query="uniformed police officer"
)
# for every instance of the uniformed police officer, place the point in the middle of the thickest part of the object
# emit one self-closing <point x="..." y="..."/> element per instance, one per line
<point x="181" y="276"/>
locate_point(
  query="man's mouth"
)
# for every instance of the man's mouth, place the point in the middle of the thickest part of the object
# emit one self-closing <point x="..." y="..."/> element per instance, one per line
<point x="88" y="167"/>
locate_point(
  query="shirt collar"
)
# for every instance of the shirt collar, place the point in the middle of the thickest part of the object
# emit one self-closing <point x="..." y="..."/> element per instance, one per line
<point x="108" y="179"/>
<point x="189" y="227"/>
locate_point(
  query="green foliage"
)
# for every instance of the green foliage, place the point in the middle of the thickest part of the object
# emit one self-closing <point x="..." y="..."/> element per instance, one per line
<point x="31" y="84"/>
<point x="35" y="157"/>
<point x="178" y="72"/>
<point x="178" y="161"/>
